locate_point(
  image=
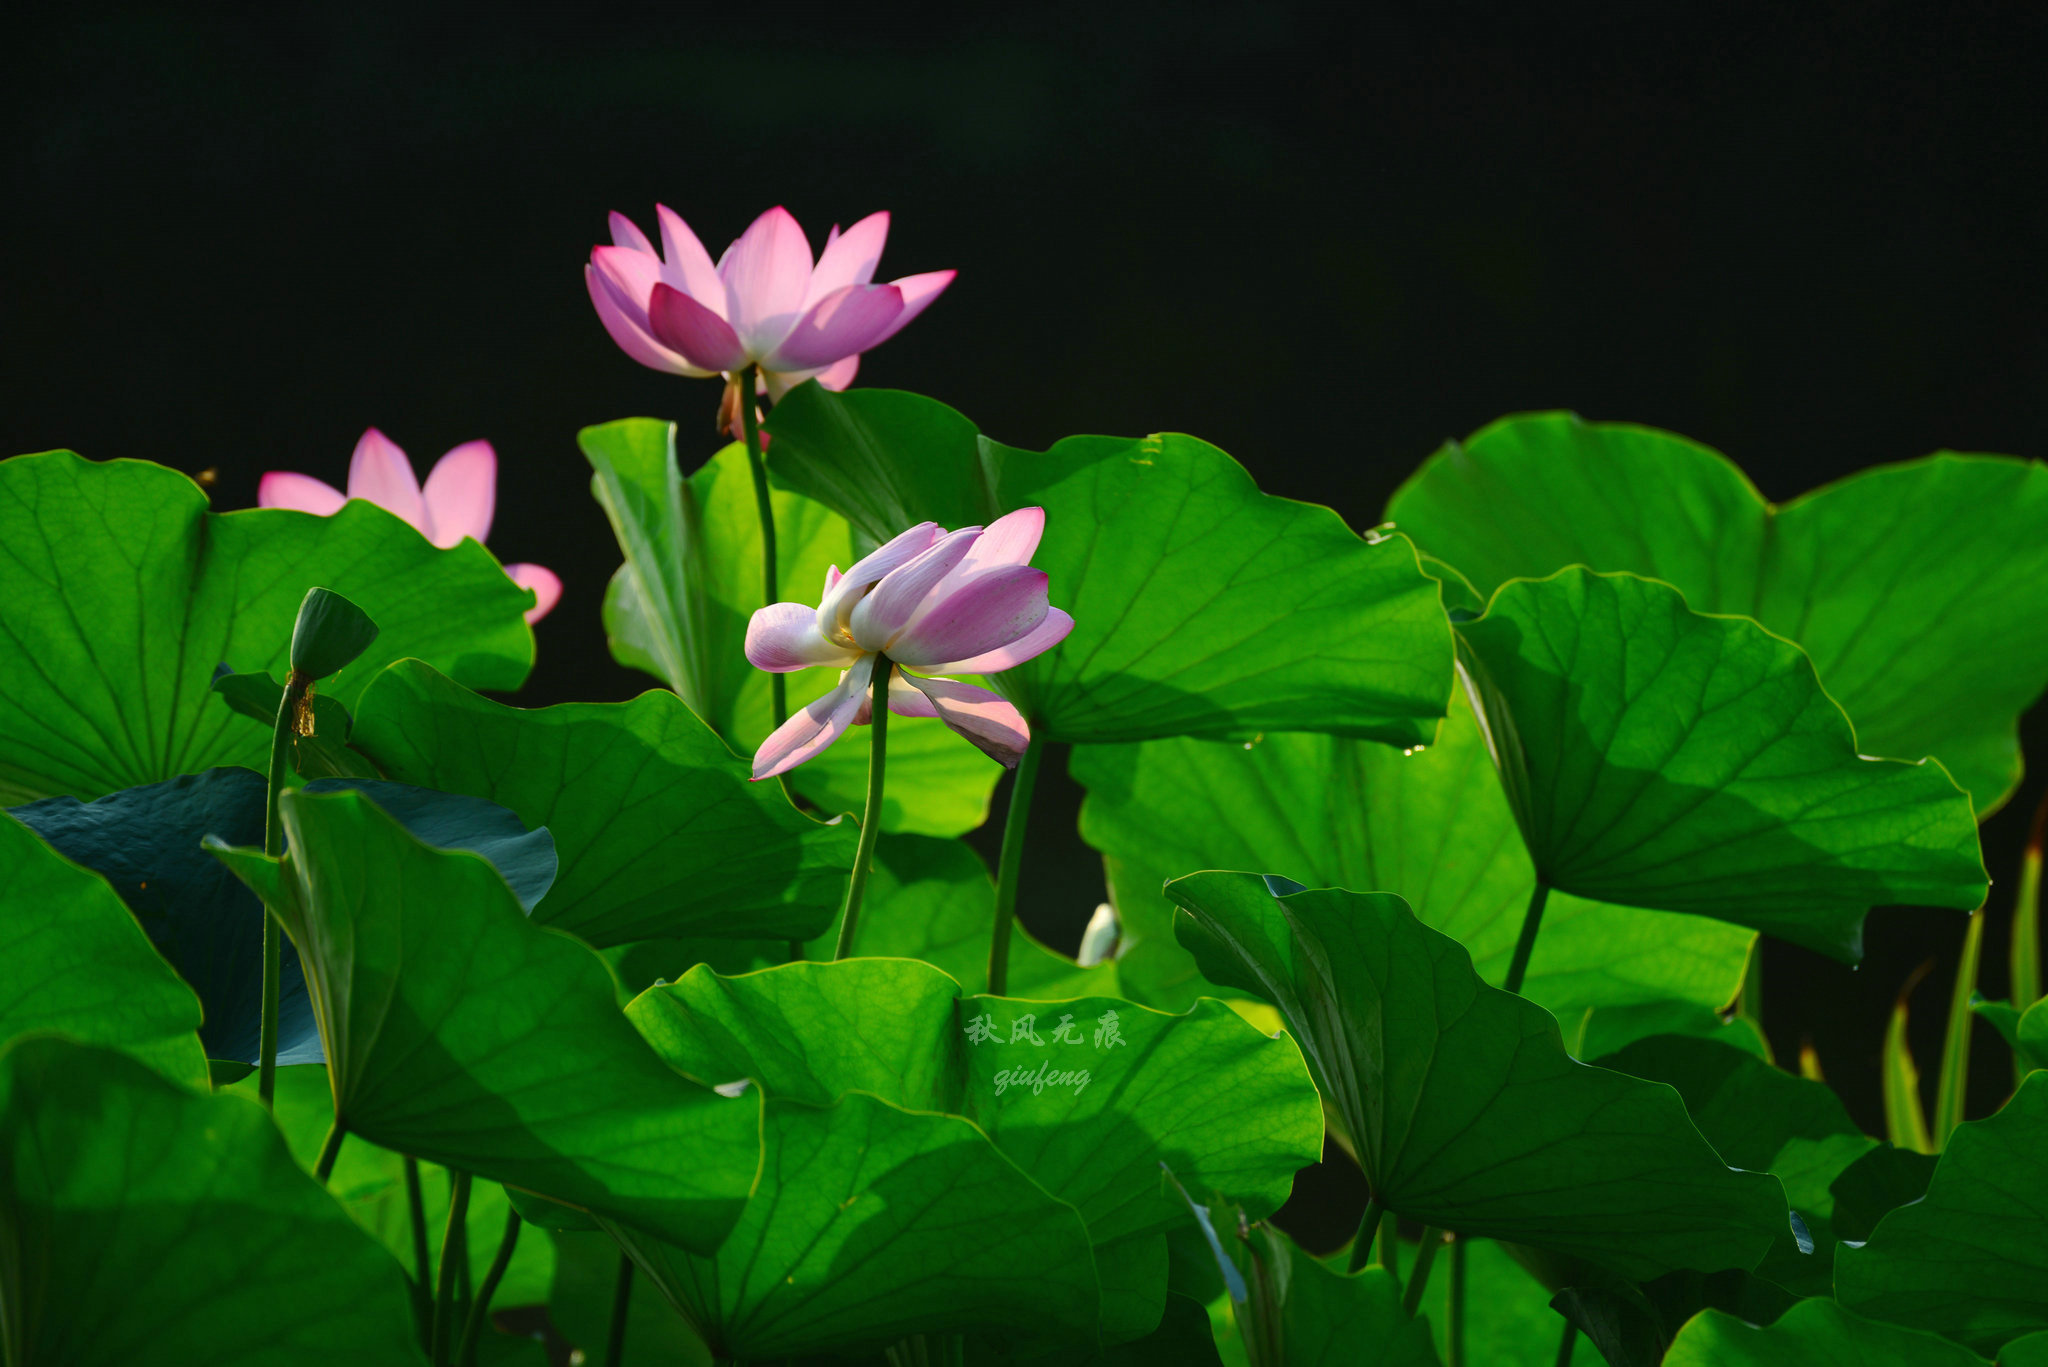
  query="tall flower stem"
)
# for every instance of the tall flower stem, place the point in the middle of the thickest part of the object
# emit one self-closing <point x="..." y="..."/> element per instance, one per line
<point x="2025" y="959"/>
<point x="1525" y="943"/>
<point x="423" y="1260"/>
<point x="1418" y="1279"/>
<point x="330" y="1150"/>
<point x="480" y="1309"/>
<point x="622" y="1298"/>
<point x="1010" y="865"/>
<point x="1565" y="1345"/>
<point x="273" y="845"/>
<point x="871" y="819"/>
<point x="453" y="1250"/>
<point x="1368" y="1226"/>
<point x="1454" y="1332"/>
<point x="750" y="424"/>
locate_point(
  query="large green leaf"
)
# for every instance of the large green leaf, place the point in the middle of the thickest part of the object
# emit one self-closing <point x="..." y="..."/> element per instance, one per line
<point x="460" y="1032"/>
<point x="120" y="593"/>
<point x="678" y="609"/>
<point x="1299" y="1312"/>
<point x="871" y="1222"/>
<point x="1967" y="1260"/>
<point x="145" y="1222"/>
<point x="1933" y="644"/>
<point x="904" y="1031"/>
<point x="1659" y="758"/>
<point x="1813" y="1333"/>
<point x="659" y="830"/>
<point x="1431" y="825"/>
<point x="1464" y="1109"/>
<point x="1201" y="606"/>
<point x="78" y="963"/>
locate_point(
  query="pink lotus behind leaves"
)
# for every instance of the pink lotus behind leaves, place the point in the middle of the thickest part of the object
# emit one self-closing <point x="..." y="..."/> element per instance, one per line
<point x="459" y="500"/>
<point x="964" y="602"/>
<point x="764" y="303"/>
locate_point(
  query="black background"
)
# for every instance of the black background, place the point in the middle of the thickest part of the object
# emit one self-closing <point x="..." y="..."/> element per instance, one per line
<point x="1810" y="237"/>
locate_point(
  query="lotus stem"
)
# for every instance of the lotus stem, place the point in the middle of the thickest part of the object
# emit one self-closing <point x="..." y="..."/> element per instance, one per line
<point x="1565" y="1345"/>
<point x="871" y="819"/>
<point x="1368" y="1226"/>
<point x="622" y="1297"/>
<point x="423" y="1281"/>
<point x="1953" y="1083"/>
<point x="330" y="1149"/>
<point x="1418" y="1278"/>
<point x="1454" y="1329"/>
<point x="2025" y="963"/>
<point x="465" y="1356"/>
<point x="750" y="424"/>
<point x="1010" y="865"/>
<point x="452" y="1252"/>
<point x="1525" y="944"/>
<point x="273" y="845"/>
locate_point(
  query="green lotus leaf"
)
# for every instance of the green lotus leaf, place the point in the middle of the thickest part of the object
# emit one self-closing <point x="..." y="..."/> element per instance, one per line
<point x="1967" y="1260"/>
<point x="1659" y="758"/>
<point x="458" y="1031"/>
<point x="120" y="593"/>
<point x="1813" y="1333"/>
<point x="678" y="609"/>
<point x="1432" y="825"/>
<point x="658" y="828"/>
<point x="1300" y="1312"/>
<point x="1201" y="606"/>
<point x="1879" y="1182"/>
<point x="146" y="1222"/>
<point x="78" y="963"/>
<point x="1464" y="1109"/>
<point x="1933" y="644"/>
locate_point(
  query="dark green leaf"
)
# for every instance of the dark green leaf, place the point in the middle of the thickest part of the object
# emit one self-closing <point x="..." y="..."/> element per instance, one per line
<point x="885" y="459"/>
<point x="149" y="1223"/>
<point x="1813" y="1333"/>
<point x="1933" y="644"/>
<point x="1659" y="758"/>
<point x="678" y="609"/>
<point x="77" y="963"/>
<point x="1302" y="1313"/>
<point x="1465" y="1110"/>
<point x="325" y="753"/>
<point x="462" y="1033"/>
<point x="1967" y="1260"/>
<point x="659" y="829"/>
<point x="119" y="593"/>
<point x="1880" y="1181"/>
<point x="331" y="633"/>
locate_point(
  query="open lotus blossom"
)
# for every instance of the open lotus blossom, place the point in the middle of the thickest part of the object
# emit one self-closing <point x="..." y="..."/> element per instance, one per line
<point x="460" y="496"/>
<point x="764" y="303"/>
<point x="934" y="601"/>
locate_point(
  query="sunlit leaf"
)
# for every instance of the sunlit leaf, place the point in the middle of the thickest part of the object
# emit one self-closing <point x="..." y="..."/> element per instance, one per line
<point x="1465" y="1110"/>
<point x="120" y="592"/>
<point x="1920" y="589"/>
<point x="1659" y="758"/>
<point x="1813" y="1333"/>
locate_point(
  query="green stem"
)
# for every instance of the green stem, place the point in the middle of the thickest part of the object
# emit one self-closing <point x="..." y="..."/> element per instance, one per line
<point x="1418" y="1279"/>
<point x="871" y="819"/>
<point x="750" y="424"/>
<point x="1454" y="1331"/>
<point x="480" y="1309"/>
<point x="452" y="1252"/>
<point x="330" y="1149"/>
<point x="1390" y="1250"/>
<point x="2025" y="965"/>
<point x="1368" y="1226"/>
<point x="1525" y="944"/>
<point x="1953" y="1083"/>
<point x="1010" y="865"/>
<point x="1750" y="1005"/>
<point x="622" y="1296"/>
<point x="273" y="845"/>
<point x="1569" y="1342"/>
<point x="423" y="1282"/>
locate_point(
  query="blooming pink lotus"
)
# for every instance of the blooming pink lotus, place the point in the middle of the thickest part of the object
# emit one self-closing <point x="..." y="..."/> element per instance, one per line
<point x="964" y="602"/>
<point x="765" y="303"/>
<point x="459" y="498"/>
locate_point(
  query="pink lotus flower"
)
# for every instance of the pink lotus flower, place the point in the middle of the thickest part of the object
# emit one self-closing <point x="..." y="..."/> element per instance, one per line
<point x="460" y="496"/>
<point x="965" y="602"/>
<point x="765" y="303"/>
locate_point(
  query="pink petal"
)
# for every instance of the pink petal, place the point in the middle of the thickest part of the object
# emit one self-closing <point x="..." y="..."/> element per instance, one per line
<point x="1011" y="539"/>
<point x="689" y="265"/>
<point x="303" y="493"/>
<point x="461" y="494"/>
<point x="686" y="326"/>
<point x="992" y="610"/>
<point x="626" y="233"/>
<point x="905" y="700"/>
<point x="844" y="323"/>
<point x="877" y="618"/>
<point x="626" y="321"/>
<point x="784" y="636"/>
<point x="380" y="473"/>
<point x="839" y="374"/>
<point x="1042" y="638"/>
<point x="547" y="588"/>
<point x="994" y="726"/>
<point x="808" y="732"/>
<point x="918" y="293"/>
<point x="831" y="579"/>
<point x="766" y="274"/>
<point x="836" y="608"/>
<point x="850" y="257"/>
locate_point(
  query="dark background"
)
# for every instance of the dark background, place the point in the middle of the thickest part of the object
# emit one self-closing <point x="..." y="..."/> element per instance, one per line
<point x="1810" y="237"/>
